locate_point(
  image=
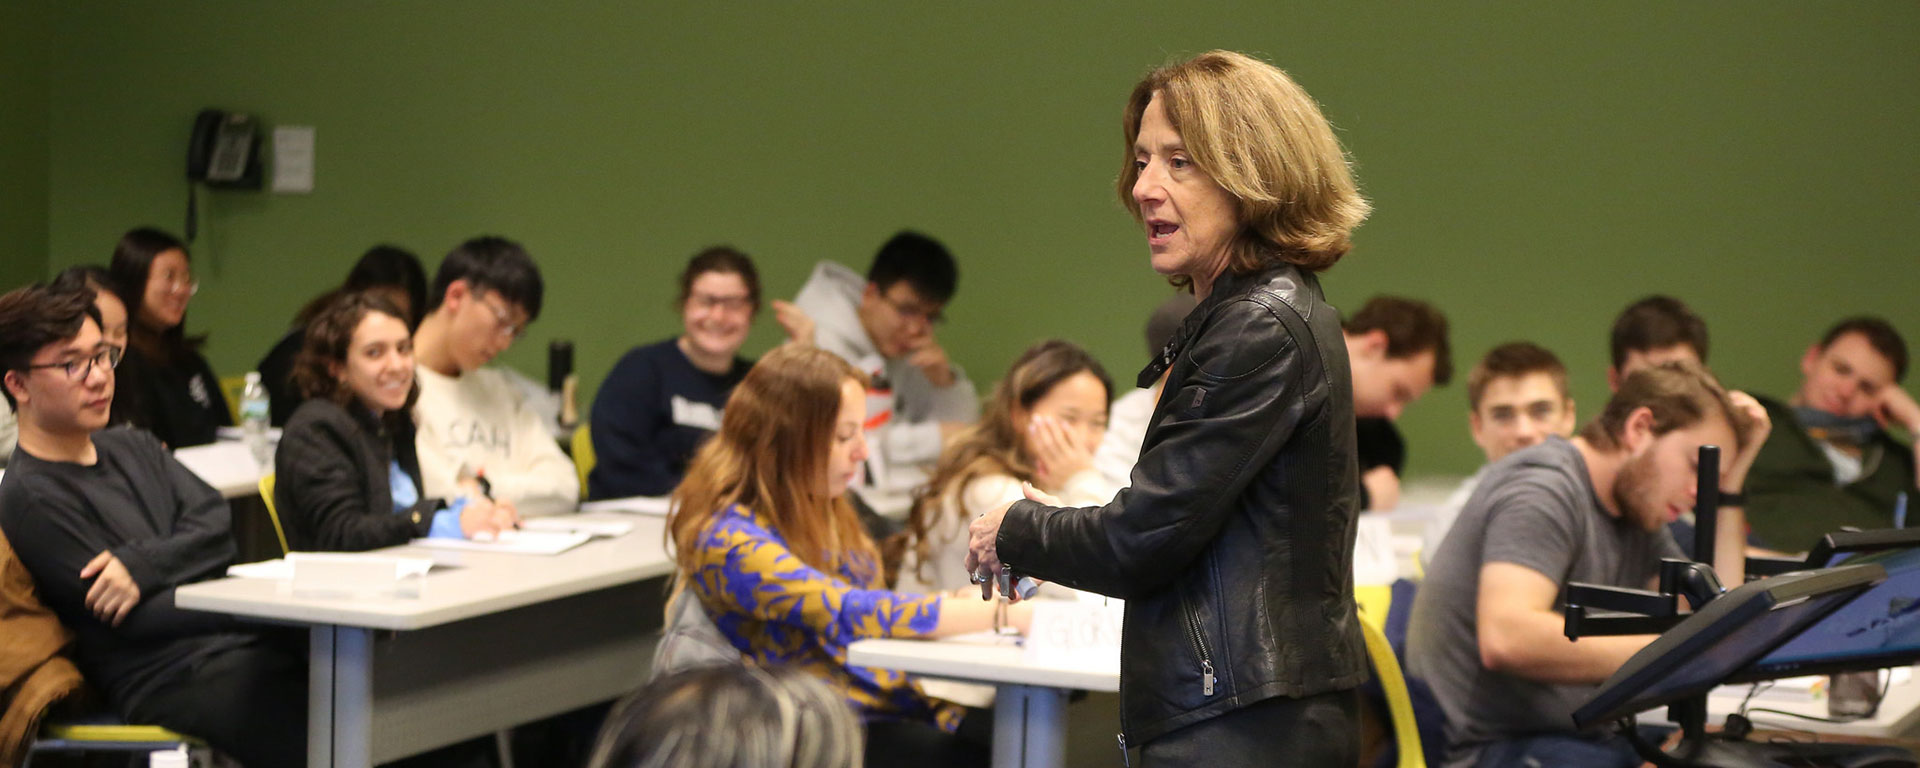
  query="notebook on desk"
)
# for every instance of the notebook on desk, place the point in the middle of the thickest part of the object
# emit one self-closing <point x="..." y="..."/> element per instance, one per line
<point x="514" y="542"/>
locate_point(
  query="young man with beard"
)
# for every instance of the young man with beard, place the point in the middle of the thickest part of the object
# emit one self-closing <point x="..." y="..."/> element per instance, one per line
<point x="108" y="523"/>
<point x="1486" y="632"/>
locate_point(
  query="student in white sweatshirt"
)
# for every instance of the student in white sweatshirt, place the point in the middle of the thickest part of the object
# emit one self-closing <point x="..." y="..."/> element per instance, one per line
<point x="883" y="324"/>
<point x="473" y="421"/>
<point x="1042" y="425"/>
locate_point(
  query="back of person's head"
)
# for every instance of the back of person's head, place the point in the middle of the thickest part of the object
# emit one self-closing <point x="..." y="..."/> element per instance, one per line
<point x="1165" y="321"/>
<point x="921" y="261"/>
<point x="770" y="456"/>
<point x="33" y="317"/>
<point x="994" y="444"/>
<point x="494" y="264"/>
<point x="1879" y="335"/>
<point x="391" y="267"/>
<point x="1656" y="323"/>
<point x="1679" y="393"/>
<point x="1412" y="327"/>
<point x="328" y="341"/>
<point x="89" y="276"/>
<point x="723" y="259"/>
<point x="1515" y="359"/>
<point x="1256" y="133"/>
<point x="734" y="716"/>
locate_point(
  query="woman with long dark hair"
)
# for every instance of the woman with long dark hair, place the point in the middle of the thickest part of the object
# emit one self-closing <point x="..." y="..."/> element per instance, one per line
<point x="165" y="385"/>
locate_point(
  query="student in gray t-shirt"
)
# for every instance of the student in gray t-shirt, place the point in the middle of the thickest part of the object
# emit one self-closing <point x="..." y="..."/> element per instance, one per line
<point x="1486" y="632"/>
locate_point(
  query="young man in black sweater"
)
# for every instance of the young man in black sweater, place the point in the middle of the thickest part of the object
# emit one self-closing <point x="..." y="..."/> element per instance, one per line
<point x="109" y="523"/>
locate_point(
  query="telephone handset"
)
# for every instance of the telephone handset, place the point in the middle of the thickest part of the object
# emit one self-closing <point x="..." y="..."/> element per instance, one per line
<point x="224" y="151"/>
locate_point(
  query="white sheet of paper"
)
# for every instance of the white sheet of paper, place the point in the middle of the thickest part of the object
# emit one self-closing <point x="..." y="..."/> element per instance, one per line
<point x="1068" y="633"/>
<point x="293" y="159"/>
<point x="514" y="542"/>
<point x="657" y="506"/>
<point x="573" y="524"/>
<point x="1373" y="563"/>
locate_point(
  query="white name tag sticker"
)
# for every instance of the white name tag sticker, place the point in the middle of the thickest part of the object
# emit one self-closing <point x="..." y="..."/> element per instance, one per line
<point x="688" y="413"/>
<point x="1067" y="633"/>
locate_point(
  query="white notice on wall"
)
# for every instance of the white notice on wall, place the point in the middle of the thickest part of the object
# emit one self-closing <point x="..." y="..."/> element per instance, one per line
<point x="293" y="159"/>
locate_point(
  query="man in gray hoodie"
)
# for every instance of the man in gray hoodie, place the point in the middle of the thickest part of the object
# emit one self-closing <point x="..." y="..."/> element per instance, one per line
<point x="883" y="324"/>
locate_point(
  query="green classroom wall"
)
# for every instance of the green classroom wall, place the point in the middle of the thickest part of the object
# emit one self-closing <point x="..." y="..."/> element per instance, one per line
<point x="1533" y="168"/>
<point x="25" y="57"/>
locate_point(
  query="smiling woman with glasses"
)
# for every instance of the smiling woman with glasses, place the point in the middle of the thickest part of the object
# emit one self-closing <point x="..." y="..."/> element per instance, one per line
<point x="663" y="399"/>
<point x="166" y="385"/>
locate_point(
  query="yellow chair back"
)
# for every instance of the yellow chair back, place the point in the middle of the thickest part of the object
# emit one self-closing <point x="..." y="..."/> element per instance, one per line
<point x="266" y="494"/>
<point x="1406" y="732"/>
<point x="582" y="455"/>
<point x="231" y="388"/>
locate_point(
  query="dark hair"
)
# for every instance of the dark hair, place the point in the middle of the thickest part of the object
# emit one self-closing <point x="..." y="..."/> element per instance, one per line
<point x="1513" y="360"/>
<point x="1879" y="334"/>
<point x="329" y="338"/>
<point x="92" y="277"/>
<point x="1680" y="393"/>
<point x="731" y="716"/>
<point x="490" y="263"/>
<point x="1657" y="322"/>
<point x="1412" y="327"/>
<point x="382" y="266"/>
<point x="719" y="258"/>
<point x="921" y="261"/>
<point x="131" y="265"/>
<point x="35" y="316"/>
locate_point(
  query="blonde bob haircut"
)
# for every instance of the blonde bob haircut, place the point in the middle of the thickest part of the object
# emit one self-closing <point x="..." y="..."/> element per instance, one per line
<point x="1257" y="134"/>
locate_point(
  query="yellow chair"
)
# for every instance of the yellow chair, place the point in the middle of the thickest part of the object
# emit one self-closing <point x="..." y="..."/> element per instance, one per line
<point x="266" y="495"/>
<point x="1406" y="732"/>
<point x="231" y="388"/>
<point x="106" y="735"/>
<point x="582" y="456"/>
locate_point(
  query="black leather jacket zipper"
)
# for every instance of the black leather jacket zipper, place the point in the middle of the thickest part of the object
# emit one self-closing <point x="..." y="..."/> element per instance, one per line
<point x="1199" y="641"/>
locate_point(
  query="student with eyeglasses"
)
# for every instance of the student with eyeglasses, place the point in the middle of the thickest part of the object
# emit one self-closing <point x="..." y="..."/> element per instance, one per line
<point x="663" y="399"/>
<point x="91" y="279"/>
<point x="166" y="385"/>
<point x="474" y="422"/>
<point x="107" y="523"/>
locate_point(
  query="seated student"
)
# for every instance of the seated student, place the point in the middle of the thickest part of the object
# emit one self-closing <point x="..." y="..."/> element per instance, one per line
<point x="767" y="542"/>
<point x="392" y="272"/>
<point x="473" y="422"/>
<point x="348" y="478"/>
<point x="1127" y="418"/>
<point x="1830" y="461"/>
<point x="1486" y="634"/>
<point x="108" y="524"/>
<point x="166" y="386"/>
<point x="731" y="717"/>
<point x="1516" y="396"/>
<point x="883" y="324"/>
<point x="661" y="400"/>
<point x="1654" y="330"/>
<point x="113" y="325"/>
<point x="1041" y="426"/>
<point x="1398" y="350"/>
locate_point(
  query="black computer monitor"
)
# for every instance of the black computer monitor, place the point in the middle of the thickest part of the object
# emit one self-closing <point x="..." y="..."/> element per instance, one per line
<point x="1725" y="637"/>
<point x="1878" y="628"/>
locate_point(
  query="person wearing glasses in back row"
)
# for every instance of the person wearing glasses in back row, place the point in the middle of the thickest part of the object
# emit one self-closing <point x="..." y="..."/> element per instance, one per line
<point x="166" y="386"/>
<point x="883" y="324"/>
<point x="473" y="422"/>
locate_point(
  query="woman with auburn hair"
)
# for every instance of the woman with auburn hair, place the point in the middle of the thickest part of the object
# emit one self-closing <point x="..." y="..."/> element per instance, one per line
<point x="1233" y="545"/>
<point x="765" y="539"/>
<point x="1041" y="426"/>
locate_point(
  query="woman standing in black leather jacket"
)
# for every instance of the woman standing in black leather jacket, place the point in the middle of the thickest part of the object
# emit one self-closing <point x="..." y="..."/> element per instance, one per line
<point x="1234" y="544"/>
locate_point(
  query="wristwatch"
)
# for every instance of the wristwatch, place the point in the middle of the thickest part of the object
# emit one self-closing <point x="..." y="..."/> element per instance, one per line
<point x="1732" y="499"/>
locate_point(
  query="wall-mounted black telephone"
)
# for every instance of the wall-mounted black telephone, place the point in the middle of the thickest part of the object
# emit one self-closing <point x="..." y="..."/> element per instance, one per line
<point x="223" y="152"/>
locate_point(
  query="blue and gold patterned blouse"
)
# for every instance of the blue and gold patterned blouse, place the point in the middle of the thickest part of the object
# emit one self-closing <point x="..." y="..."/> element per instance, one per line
<point x="777" y="610"/>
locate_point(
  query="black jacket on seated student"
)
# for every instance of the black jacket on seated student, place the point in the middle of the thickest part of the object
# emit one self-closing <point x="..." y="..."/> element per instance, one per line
<point x="108" y="524"/>
<point x="347" y="474"/>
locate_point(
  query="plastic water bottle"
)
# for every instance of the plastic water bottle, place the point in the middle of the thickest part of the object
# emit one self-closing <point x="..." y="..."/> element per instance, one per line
<point x="253" y="419"/>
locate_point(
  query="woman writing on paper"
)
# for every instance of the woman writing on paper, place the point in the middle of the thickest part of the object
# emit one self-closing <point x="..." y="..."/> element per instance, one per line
<point x="765" y="539"/>
<point x="347" y="477"/>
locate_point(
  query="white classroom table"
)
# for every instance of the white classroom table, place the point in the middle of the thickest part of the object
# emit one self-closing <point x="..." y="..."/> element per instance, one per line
<point x="1030" y="703"/>
<point x="494" y="640"/>
<point x="227" y="465"/>
<point x="1898" y="717"/>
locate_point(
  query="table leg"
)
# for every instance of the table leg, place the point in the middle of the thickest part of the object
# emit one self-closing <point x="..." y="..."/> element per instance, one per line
<point x="320" y="697"/>
<point x="353" y="697"/>
<point x="1029" y="727"/>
